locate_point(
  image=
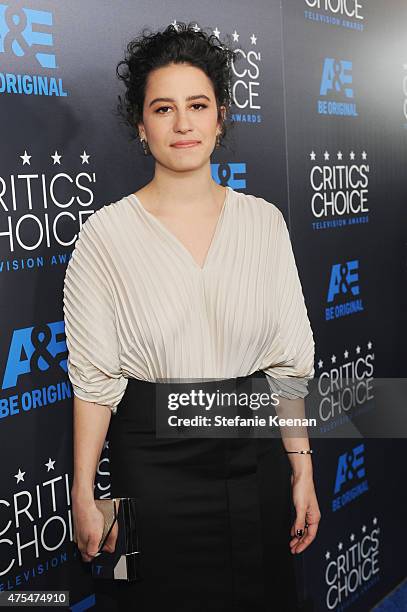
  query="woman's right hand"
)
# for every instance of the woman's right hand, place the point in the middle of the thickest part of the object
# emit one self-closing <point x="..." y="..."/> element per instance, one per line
<point x="89" y="522"/>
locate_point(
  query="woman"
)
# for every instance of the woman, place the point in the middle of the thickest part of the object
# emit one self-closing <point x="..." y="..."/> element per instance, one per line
<point x="189" y="280"/>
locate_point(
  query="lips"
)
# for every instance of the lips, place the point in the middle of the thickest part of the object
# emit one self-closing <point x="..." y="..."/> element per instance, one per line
<point x="184" y="144"/>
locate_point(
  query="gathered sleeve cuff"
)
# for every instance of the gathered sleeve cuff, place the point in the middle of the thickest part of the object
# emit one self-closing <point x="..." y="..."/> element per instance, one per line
<point x="93" y="361"/>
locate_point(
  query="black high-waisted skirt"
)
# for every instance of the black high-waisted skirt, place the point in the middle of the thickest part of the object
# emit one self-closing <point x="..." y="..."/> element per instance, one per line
<point x="214" y="514"/>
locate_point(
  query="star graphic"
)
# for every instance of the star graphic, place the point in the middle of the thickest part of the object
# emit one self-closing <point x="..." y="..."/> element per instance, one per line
<point x="106" y="444"/>
<point x="346" y="354"/>
<point x="369" y="345"/>
<point x="352" y="537"/>
<point x="340" y="546"/>
<point x="320" y="363"/>
<point x="364" y="155"/>
<point x="312" y="155"/>
<point x="339" y="155"/>
<point x="326" y="155"/>
<point x="196" y="28"/>
<point x="333" y="358"/>
<point x="26" y="158"/>
<point x="327" y="555"/>
<point x="364" y="528"/>
<point x="253" y="39"/>
<point x="19" y="475"/>
<point x="358" y="349"/>
<point x="174" y="23"/>
<point x="216" y="32"/>
<point x="56" y="158"/>
<point x="50" y="464"/>
<point x="235" y="36"/>
<point x="352" y="155"/>
<point x="84" y="157"/>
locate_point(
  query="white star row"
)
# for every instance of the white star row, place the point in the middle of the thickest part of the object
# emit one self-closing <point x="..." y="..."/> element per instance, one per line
<point x="346" y="354"/>
<point x="351" y="537"/>
<point x="339" y="155"/>
<point x="56" y="157"/>
<point x="216" y="31"/>
<point x="49" y="464"/>
<point x="20" y="474"/>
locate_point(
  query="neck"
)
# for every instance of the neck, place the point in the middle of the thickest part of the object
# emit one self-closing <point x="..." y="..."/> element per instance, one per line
<point x="184" y="188"/>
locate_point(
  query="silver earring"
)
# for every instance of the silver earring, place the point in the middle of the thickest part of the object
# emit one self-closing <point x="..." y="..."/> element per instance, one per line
<point x="145" y="146"/>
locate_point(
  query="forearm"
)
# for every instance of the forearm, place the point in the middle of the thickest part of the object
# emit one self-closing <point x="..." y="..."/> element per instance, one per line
<point x="295" y="437"/>
<point x="91" y="422"/>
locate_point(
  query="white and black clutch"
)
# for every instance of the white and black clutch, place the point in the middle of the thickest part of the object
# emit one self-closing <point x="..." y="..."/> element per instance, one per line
<point x="124" y="562"/>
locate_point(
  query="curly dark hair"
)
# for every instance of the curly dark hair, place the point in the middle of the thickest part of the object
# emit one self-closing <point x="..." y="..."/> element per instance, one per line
<point x="177" y="43"/>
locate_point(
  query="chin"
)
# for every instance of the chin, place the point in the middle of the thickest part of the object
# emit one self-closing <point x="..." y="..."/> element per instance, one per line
<point x="186" y="167"/>
<point x="188" y="162"/>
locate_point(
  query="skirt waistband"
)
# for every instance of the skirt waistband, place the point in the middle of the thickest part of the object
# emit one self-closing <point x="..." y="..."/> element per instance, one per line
<point x="142" y="399"/>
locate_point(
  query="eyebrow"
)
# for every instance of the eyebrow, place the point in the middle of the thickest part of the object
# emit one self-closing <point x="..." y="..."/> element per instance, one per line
<point x="172" y="100"/>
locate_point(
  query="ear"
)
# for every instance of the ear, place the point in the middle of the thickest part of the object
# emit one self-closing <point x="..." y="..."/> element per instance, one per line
<point x="141" y="130"/>
<point x="222" y="110"/>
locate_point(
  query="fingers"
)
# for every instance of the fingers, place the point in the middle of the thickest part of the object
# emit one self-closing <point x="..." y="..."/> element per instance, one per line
<point x="89" y="549"/>
<point x="92" y="546"/>
<point x="297" y="545"/>
<point x="298" y="528"/>
<point x="85" y="555"/>
<point x="310" y="525"/>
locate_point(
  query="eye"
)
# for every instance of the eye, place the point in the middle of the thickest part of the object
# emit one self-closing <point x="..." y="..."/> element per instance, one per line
<point x="161" y="107"/>
<point x="158" y="110"/>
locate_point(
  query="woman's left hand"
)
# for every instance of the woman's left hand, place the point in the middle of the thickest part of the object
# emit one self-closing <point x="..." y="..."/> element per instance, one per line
<point x="307" y="511"/>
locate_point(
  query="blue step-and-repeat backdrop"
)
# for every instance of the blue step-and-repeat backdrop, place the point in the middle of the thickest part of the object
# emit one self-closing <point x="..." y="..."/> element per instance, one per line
<point x="320" y="129"/>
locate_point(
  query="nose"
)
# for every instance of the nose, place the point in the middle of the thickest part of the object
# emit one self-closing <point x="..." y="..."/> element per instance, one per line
<point x="182" y="122"/>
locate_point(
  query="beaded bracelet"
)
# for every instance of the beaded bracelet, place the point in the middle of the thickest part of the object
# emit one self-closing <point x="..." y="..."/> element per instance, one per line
<point x="302" y="452"/>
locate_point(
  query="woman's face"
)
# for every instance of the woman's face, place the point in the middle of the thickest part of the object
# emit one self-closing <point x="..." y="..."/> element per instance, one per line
<point x="180" y="106"/>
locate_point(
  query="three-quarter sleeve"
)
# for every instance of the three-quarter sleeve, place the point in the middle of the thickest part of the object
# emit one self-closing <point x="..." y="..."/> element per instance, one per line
<point x="293" y="365"/>
<point x="90" y="325"/>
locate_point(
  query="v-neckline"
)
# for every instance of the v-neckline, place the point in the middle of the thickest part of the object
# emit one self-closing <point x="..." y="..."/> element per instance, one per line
<point x="181" y="244"/>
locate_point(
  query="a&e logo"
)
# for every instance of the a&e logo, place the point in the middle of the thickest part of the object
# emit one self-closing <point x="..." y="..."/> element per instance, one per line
<point x="343" y="282"/>
<point x="231" y="174"/>
<point x="27" y="32"/>
<point x="336" y="89"/>
<point x="26" y="36"/>
<point x="37" y="353"/>
<point x="351" y="475"/>
<point x="33" y="349"/>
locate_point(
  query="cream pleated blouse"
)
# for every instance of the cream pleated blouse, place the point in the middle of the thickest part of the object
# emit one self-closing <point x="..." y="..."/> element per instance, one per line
<point x="136" y="303"/>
